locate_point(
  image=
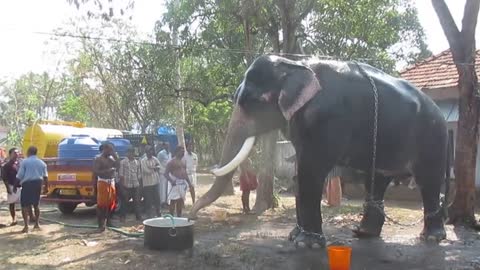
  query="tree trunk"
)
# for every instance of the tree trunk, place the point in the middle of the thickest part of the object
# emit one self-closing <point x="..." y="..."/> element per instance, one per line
<point x="229" y="190"/>
<point x="264" y="199"/>
<point x="180" y="112"/>
<point x="462" y="45"/>
<point x="286" y="8"/>
<point x="462" y="208"/>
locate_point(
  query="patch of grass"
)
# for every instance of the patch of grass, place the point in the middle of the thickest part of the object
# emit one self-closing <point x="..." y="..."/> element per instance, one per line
<point x="247" y="256"/>
<point x="210" y="258"/>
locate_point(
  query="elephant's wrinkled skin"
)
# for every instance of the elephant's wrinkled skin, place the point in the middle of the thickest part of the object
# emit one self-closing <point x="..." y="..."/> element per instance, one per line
<point x="326" y="108"/>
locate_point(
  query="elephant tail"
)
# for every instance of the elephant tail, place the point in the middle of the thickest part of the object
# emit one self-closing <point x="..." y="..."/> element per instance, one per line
<point x="449" y="162"/>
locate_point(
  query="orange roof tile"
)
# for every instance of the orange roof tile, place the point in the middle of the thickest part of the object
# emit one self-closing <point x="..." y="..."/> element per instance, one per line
<point x="437" y="71"/>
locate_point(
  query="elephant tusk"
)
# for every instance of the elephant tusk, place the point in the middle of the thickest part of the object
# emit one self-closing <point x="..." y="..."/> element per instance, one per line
<point x="238" y="159"/>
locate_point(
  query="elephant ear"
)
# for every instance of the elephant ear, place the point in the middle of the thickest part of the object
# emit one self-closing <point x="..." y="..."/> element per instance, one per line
<point x="300" y="86"/>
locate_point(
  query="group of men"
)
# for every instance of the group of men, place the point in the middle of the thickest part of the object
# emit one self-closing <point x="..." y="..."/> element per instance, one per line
<point x="24" y="180"/>
<point x="162" y="180"/>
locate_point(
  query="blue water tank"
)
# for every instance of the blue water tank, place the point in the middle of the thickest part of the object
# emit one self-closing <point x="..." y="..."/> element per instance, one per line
<point x="121" y="146"/>
<point x="72" y="150"/>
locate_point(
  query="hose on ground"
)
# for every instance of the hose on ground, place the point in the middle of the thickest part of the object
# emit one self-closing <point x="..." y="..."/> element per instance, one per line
<point x="81" y="226"/>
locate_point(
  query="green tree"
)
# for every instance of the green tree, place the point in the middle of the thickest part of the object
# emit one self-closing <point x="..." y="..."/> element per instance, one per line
<point x="379" y="32"/>
<point x="29" y="98"/>
<point x="122" y="82"/>
<point x="73" y="108"/>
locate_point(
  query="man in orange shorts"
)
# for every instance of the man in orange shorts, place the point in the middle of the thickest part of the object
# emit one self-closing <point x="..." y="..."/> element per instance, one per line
<point x="104" y="168"/>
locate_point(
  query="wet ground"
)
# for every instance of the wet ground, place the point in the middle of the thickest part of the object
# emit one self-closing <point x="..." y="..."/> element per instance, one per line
<point x="238" y="242"/>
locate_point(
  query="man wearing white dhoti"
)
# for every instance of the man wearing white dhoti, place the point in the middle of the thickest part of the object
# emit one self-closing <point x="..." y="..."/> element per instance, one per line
<point x="178" y="191"/>
<point x="191" y="161"/>
<point x="164" y="156"/>
<point x="178" y="182"/>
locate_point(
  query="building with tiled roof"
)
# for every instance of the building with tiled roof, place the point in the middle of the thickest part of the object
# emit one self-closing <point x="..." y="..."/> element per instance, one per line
<point x="437" y="77"/>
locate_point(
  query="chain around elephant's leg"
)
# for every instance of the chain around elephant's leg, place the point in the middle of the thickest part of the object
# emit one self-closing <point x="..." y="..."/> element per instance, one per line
<point x="373" y="210"/>
<point x="309" y="233"/>
<point x="310" y="239"/>
<point x="372" y="220"/>
<point x="434" y="229"/>
<point x="294" y="233"/>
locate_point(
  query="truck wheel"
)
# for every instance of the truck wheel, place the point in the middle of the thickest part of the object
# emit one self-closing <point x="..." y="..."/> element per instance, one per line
<point x="67" y="208"/>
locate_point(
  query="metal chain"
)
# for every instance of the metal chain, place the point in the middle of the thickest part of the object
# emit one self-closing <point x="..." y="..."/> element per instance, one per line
<point x="375" y="131"/>
<point x="374" y="139"/>
<point x="320" y="235"/>
<point x="370" y="201"/>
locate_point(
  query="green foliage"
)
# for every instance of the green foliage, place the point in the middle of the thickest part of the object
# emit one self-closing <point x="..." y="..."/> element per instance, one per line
<point x="379" y="32"/>
<point x="28" y="98"/>
<point x="73" y="108"/>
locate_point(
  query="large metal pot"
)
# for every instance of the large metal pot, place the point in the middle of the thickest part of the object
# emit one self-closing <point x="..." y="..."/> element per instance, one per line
<point x="168" y="233"/>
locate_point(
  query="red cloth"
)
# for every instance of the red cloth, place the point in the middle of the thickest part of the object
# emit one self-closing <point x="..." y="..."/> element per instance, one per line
<point x="106" y="195"/>
<point x="248" y="180"/>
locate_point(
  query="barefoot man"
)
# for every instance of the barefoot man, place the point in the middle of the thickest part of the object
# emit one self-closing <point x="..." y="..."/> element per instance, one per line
<point x="104" y="168"/>
<point x="9" y="174"/>
<point x="31" y="174"/>
<point x="178" y="182"/>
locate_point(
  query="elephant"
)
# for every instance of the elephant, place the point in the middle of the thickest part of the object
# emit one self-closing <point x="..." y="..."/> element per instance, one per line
<point x="326" y="109"/>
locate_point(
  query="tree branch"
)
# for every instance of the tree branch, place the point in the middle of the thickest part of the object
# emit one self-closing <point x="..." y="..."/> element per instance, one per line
<point x="448" y="24"/>
<point x="469" y="24"/>
<point x="306" y="11"/>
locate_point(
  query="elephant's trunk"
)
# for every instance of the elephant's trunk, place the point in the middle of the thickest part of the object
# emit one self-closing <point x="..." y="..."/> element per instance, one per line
<point x="235" y="150"/>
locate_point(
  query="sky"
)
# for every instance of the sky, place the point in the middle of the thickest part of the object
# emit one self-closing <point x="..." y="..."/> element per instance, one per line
<point x="23" y="50"/>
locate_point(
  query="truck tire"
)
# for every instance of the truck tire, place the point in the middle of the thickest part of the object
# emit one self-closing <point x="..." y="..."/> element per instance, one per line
<point x="67" y="208"/>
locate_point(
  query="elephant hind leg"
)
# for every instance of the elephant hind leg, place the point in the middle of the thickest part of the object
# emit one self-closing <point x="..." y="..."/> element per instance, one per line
<point x="373" y="211"/>
<point x="429" y="179"/>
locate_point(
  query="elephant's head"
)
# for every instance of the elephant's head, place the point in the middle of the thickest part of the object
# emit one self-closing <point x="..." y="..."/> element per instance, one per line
<point x="272" y="91"/>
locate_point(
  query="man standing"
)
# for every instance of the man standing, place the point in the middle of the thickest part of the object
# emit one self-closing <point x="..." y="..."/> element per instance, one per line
<point x="191" y="161"/>
<point x="150" y="167"/>
<point x="9" y="175"/>
<point x="104" y="168"/>
<point x="248" y="182"/>
<point x="334" y="187"/>
<point x="164" y="156"/>
<point x="129" y="174"/>
<point x="178" y="181"/>
<point x="31" y="173"/>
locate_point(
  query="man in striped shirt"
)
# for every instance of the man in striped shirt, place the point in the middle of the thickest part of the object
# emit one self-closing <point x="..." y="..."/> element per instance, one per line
<point x="150" y="168"/>
<point x="129" y="174"/>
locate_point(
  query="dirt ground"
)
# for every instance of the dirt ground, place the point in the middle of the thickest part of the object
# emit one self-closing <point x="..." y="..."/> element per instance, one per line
<point x="239" y="242"/>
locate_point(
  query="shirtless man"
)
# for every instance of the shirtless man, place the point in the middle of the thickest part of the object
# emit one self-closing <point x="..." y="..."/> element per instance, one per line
<point x="104" y="168"/>
<point x="178" y="182"/>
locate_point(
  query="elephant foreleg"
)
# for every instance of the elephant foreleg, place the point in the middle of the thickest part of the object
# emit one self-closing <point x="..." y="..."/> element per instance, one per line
<point x="310" y="185"/>
<point x="373" y="210"/>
